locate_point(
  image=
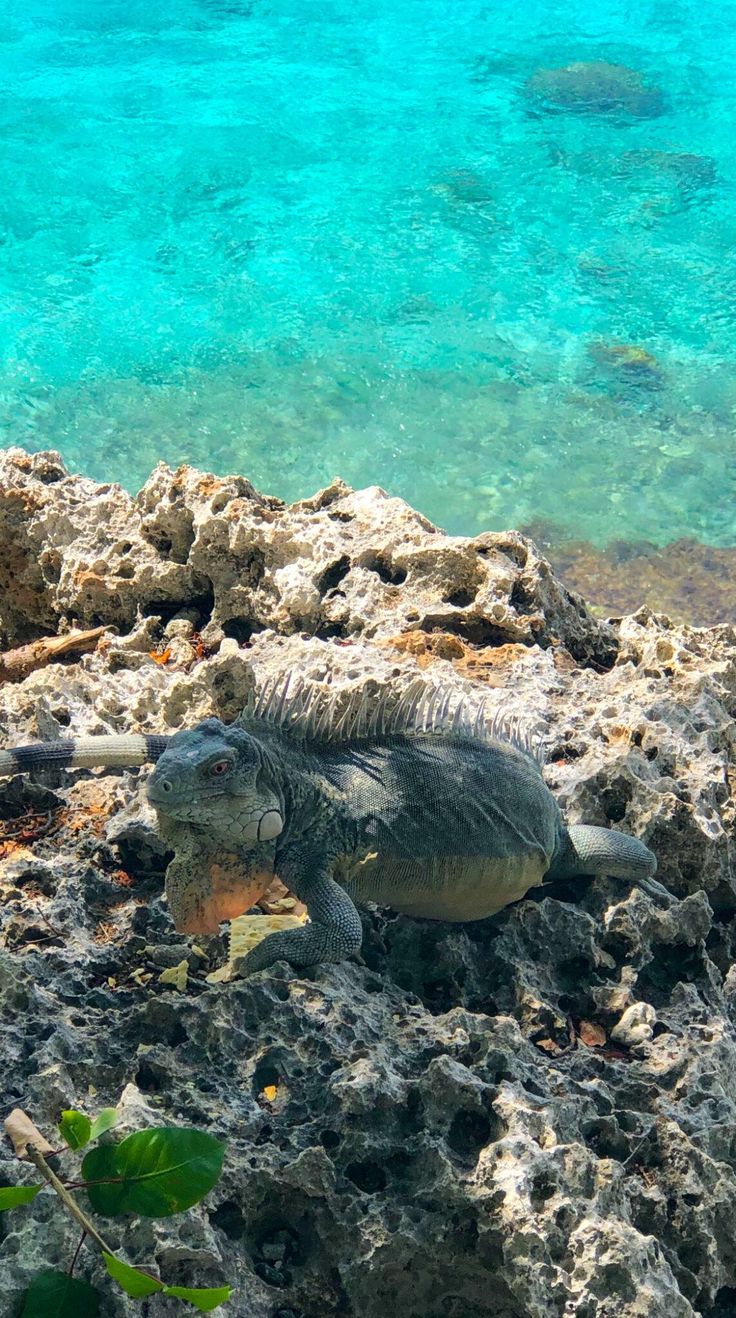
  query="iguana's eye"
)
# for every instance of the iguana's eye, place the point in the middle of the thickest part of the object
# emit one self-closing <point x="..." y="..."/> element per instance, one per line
<point x="220" y="768"/>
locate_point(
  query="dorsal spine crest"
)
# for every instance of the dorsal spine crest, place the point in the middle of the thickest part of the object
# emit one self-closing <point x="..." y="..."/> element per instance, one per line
<point x="321" y="717"/>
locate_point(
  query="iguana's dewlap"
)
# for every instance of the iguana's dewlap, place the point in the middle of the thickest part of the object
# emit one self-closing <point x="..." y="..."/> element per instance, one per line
<point x="220" y="889"/>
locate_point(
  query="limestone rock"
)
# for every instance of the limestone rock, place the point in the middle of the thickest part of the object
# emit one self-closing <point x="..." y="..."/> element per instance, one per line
<point x="424" y="1133"/>
<point x="635" y="1025"/>
<point x="343" y="564"/>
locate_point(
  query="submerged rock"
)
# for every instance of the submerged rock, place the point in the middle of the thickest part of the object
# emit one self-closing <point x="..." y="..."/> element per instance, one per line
<point x="687" y="580"/>
<point x="530" y="1116"/>
<point x="628" y="361"/>
<point x="688" y="171"/>
<point x="600" y="268"/>
<point x="595" y="87"/>
<point x="464" y="187"/>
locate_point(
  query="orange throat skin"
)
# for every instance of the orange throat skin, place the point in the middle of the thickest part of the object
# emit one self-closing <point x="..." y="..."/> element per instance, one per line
<point x="219" y="890"/>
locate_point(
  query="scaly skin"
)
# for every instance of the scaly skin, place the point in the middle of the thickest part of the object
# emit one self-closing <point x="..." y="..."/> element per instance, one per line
<point x="189" y="783"/>
<point x="438" y="823"/>
<point x="441" y="827"/>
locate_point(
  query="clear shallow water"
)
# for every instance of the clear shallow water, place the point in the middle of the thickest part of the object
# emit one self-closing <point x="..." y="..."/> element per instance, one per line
<point x="304" y="240"/>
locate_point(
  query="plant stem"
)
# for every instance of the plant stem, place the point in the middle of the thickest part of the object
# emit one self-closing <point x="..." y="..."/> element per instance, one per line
<point x="73" y="1263"/>
<point x="38" y="1160"/>
<point x="29" y="1143"/>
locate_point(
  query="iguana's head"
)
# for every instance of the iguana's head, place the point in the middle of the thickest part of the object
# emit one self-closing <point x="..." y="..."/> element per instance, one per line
<point x="218" y="778"/>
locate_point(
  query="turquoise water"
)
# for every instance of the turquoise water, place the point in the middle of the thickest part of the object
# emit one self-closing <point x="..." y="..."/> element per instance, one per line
<point x="295" y="240"/>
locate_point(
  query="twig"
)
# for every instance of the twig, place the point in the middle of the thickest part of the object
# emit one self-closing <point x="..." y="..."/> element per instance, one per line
<point x="27" y="826"/>
<point x="36" y="1157"/>
<point x="17" y="664"/>
<point x="639" y="1145"/>
<point x="73" y="1263"/>
<point x="56" y="932"/>
<point x="30" y="1144"/>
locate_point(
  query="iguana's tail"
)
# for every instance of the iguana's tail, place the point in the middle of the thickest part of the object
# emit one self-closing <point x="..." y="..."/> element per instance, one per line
<point x="83" y="753"/>
<point x="584" y="849"/>
<point x="604" y="851"/>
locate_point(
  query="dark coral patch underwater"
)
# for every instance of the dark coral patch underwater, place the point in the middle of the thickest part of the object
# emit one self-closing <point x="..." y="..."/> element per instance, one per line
<point x="689" y="581"/>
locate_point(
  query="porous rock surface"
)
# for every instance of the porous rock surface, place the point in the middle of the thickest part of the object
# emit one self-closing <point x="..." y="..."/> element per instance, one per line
<point x="529" y="1117"/>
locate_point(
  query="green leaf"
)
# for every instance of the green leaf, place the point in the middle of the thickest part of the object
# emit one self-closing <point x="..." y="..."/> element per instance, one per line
<point x="57" y="1295"/>
<point x="104" y="1120"/>
<point x="75" y="1128"/>
<point x="13" y="1195"/>
<point x="139" y="1285"/>
<point x="133" y="1282"/>
<point x="154" y="1173"/>
<point x="203" y="1299"/>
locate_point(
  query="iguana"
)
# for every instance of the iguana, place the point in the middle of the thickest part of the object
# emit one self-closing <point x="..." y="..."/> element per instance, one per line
<point x="425" y="805"/>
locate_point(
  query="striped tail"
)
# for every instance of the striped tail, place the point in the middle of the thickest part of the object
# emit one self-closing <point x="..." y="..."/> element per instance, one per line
<point x="83" y="753"/>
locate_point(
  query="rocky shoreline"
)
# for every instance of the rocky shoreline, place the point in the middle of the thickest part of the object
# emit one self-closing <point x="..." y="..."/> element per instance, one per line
<point x="533" y="1117"/>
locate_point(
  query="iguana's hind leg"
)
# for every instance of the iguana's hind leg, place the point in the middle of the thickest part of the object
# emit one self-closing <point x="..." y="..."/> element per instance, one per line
<point x="335" y="931"/>
<point x="584" y="849"/>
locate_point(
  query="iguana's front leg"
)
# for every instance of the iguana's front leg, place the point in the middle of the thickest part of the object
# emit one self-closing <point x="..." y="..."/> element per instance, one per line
<point x="335" y="931"/>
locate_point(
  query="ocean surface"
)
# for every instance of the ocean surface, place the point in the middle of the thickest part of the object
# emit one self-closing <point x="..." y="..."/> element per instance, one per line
<point x="361" y="237"/>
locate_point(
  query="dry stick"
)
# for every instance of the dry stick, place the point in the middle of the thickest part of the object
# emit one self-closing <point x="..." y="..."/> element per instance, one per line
<point x="29" y="1143"/>
<point x="17" y="664"/>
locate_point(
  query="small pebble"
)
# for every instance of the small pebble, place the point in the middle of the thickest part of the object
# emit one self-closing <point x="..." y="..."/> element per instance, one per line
<point x="635" y="1026"/>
